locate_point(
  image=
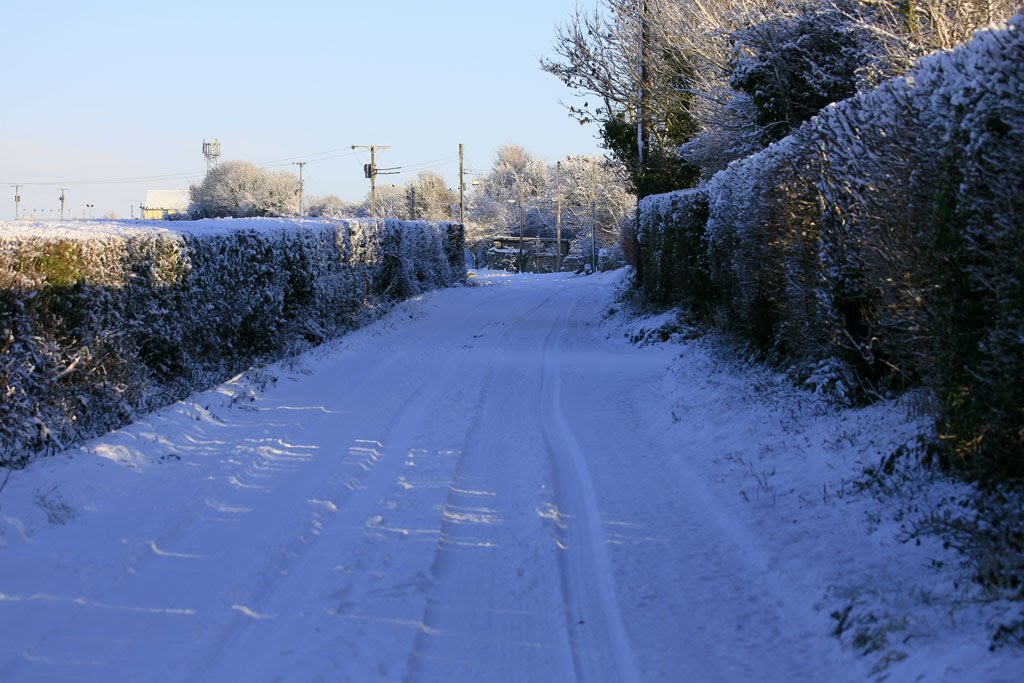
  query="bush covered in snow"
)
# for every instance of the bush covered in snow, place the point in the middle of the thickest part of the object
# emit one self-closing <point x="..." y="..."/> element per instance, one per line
<point x="887" y="231"/>
<point x="98" y="322"/>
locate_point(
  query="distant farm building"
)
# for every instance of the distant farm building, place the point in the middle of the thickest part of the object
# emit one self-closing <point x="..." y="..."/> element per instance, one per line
<point x="165" y="204"/>
<point x="539" y="254"/>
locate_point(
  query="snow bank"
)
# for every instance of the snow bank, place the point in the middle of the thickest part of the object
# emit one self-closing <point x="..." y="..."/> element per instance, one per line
<point x="101" y="319"/>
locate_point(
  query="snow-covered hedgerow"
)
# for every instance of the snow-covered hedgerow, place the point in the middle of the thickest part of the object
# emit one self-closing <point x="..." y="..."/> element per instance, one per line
<point x="762" y="249"/>
<point x="887" y="231"/>
<point x="980" y="296"/>
<point x="674" y="251"/>
<point x="101" y="320"/>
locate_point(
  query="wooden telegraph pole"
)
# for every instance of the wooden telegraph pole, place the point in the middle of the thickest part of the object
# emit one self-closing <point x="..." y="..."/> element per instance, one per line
<point x="558" y="217"/>
<point x="462" y="188"/>
<point x="300" y="164"/>
<point x="593" y="218"/>
<point x="371" y="173"/>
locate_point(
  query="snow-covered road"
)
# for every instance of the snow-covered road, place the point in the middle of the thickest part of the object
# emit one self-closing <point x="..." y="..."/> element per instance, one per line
<point x="473" y="488"/>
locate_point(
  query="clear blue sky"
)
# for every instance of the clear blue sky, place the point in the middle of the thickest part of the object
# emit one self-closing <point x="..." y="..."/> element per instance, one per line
<point x="112" y="90"/>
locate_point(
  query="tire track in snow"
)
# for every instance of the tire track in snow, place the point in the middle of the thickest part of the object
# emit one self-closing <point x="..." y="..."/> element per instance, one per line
<point x="592" y="612"/>
<point x="411" y="513"/>
<point x="492" y="637"/>
<point x="362" y="504"/>
<point x="261" y="604"/>
<point x="344" y="489"/>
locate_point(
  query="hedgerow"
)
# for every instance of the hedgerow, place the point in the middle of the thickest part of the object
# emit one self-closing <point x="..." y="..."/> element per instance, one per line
<point x="887" y="232"/>
<point x="101" y="321"/>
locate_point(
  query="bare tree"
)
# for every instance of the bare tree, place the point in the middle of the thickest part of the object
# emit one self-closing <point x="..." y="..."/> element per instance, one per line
<point x="912" y="29"/>
<point x="629" y="54"/>
<point x="391" y="201"/>
<point x="674" y="64"/>
<point x="433" y="198"/>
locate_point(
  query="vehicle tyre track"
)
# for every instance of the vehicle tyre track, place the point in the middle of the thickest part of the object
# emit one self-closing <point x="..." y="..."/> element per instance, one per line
<point x="587" y="579"/>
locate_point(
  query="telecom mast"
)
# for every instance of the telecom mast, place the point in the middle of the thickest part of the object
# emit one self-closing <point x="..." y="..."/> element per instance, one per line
<point x="211" y="150"/>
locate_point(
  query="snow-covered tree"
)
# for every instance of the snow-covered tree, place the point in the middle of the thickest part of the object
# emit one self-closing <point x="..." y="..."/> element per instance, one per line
<point x="484" y="215"/>
<point x="392" y="202"/>
<point x="494" y="204"/>
<point x="762" y="68"/>
<point x="594" y="191"/>
<point x="791" y="64"/>
<point x="515" y="170"/>
<point x="240" y="189"/>
<point x="713" y="80"/>
<point x="434" y="200"/>
<point x="331" y="206"/>
<point x="590" y="190"/>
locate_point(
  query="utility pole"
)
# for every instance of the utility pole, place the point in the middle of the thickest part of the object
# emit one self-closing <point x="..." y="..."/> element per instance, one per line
<point x="641" y="110"/>
<point x="522" y="225"/>
<point x="62" y="191"/>
<point x="593" y="217"/>
<point x="558" y="217"/>
<point x="17" y="201"/>
<point x="300" y="164"/>
<point x="412" y="202"/>
<point x="462" y="189"/>
<point x="371" y="173"/>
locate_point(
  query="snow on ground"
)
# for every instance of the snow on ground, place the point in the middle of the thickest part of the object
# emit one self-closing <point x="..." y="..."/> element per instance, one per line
<point x="490" y="483"/>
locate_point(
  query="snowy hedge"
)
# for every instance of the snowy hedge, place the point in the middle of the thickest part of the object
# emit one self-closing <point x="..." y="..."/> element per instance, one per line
<point x="887" y="230"/>
<point x="674" y="250"/>
<point x="101" y="320"/>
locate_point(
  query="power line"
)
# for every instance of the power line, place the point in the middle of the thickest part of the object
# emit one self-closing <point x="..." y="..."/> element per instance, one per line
<point x="115" y="181"/>
<point x="347" y="153"/>
<point x="182" y="175"/>
<point x="281" y="163"/>
<point x="325" y="155"/>
<point x="433" y="163"/>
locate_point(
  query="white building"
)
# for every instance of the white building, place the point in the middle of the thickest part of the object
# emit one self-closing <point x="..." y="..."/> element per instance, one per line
<point x="163" y="204"/>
